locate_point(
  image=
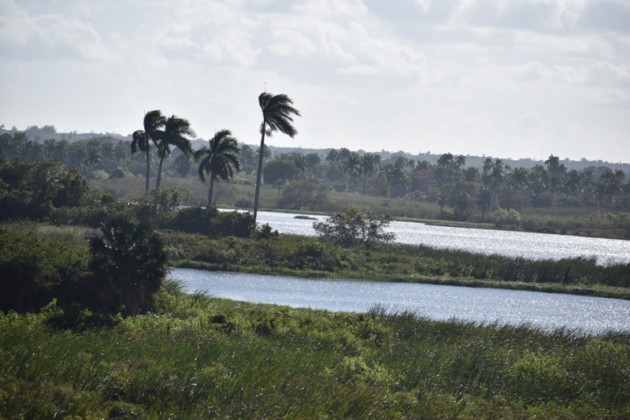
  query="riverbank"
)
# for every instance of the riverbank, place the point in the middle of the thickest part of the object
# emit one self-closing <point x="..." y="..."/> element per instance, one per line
<point x="200" y="357"/>
<point x="310" y="257"/>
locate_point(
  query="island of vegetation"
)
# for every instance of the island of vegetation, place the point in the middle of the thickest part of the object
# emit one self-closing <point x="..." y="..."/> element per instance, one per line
<point x="91" y="327"/>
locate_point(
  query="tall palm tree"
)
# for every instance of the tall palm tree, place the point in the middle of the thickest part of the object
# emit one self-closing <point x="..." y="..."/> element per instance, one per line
<point x="176" y="133"/>
<point x="277" y="113"/>
<point x="153" y="121"/>
<point x="220" y="160"/>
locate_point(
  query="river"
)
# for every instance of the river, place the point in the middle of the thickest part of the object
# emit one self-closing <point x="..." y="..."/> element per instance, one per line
<point x="548" y="311"/>
<point x="484" y="241"/>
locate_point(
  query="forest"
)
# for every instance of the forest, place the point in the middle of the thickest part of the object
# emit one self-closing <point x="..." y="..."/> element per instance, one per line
<point x="305" y="180"/>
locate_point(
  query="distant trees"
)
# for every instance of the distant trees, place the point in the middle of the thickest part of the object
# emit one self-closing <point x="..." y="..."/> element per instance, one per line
<point x="278" y="112"/>
<point x="462" y="191"/>
<point x="32" y="190"/>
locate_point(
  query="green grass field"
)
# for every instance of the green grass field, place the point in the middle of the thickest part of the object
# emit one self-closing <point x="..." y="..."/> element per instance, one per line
<point x="199" y="357"/>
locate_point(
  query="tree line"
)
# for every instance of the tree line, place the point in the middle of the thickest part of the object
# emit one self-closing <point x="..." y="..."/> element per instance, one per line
<point x="303" y="180"/>
<point x="466" y="191"/>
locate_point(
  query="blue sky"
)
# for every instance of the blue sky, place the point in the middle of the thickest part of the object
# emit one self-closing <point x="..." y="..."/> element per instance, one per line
<point x="501" y="78"/>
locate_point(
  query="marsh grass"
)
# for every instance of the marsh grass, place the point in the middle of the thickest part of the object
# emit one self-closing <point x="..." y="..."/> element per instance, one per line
<point x="311" y="257"/>
<point x="200" y="357"/>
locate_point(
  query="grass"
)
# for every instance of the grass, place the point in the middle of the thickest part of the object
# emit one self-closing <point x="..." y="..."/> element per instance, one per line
<point x="196" y="356"/>
<point x="199" y="357"/>
<point x="310" y="257"/>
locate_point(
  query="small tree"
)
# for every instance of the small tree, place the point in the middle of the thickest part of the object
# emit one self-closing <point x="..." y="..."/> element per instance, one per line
<point x="129" y="264"/>
<point x="351" y="227"/>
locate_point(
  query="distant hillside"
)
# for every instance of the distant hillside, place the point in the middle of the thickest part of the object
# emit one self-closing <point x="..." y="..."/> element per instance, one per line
<point x="47" y="132"/>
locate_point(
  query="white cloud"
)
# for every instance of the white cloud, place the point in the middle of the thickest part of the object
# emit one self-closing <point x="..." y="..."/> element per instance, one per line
<point x="423" y="5"/>
<point x="520" y="78"/>
<point x="47" y="36"/>
<point x="329" y="8"/>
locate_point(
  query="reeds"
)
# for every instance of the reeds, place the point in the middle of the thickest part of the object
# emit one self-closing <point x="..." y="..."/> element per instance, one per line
<point x="201" y="357"/>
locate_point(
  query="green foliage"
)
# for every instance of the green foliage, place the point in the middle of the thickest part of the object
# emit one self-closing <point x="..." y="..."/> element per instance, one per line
<point x="128" y="265"/>
<point x="285" y="254"/>
<point x="33" y="190"/>
<point x="351" y="227"/>
<point x="160" y="204"/>
<point x="507" y="218"/>
<point x="199" y="357"/>
<point x="213" y="223"/>
<point x="96" y="208"/>
<point x="33" y="271"/>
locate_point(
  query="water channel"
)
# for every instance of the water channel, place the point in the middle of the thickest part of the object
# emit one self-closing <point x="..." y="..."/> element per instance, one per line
<point x="484" y="241"/>
<point x="548" y="311"/>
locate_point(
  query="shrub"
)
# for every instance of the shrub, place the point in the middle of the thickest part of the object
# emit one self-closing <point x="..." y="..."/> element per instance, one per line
<point x="129" y="263"/>
<point x="213" y="223"/>
<point x="33" y="271"/>
<point x="351" y="227"/>
<point x="507" y="218"/>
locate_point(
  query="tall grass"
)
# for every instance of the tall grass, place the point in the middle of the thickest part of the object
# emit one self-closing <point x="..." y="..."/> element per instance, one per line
<point x="311" y="257"/>
<point x="200" y="357"/>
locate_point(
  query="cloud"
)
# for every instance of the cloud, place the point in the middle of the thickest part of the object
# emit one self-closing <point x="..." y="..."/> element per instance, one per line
<point x="47" y="36"/>
<point x="423" y="5"/>
<point x="350" y="43"/>
<point x="330" y="8"/>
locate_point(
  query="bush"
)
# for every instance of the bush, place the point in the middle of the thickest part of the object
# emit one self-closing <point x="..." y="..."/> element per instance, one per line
<point x="33" y="271"/>
<point x="128" y="263"/>
<point x="351" y="227"/>
<point x="213" y="223"/>
<point x="507" y="218"/>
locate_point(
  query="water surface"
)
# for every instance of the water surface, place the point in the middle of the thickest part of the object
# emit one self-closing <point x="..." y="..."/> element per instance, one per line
<point x="545" y="310"/>
<point x="527" y="245"/>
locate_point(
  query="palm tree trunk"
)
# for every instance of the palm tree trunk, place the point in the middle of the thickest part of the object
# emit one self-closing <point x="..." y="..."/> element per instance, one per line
<point x="159" y="175"/>
<point x="210" y="191"/>
<point x="259" y="173"/>
<point x="148" y="173"/>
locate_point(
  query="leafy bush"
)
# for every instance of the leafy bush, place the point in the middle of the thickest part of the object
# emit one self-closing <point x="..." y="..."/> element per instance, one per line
<point x="33" y="271"/>
<point x="128" y="263"/>
<point x="351" y="227"/>
<point x="213" y="223"/>
<point x="507" y="218"/>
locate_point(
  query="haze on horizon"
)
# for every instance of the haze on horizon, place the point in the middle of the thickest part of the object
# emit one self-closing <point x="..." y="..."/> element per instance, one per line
<point x="510" y="79"/>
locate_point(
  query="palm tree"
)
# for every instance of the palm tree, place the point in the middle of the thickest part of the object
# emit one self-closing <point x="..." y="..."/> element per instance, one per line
<point x="176" y="133"/>
<point x="277" y="113"/>
<point x="220" y="160"/>
<point x="153" y="121"/>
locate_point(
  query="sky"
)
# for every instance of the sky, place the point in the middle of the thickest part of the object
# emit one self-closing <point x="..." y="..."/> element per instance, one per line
<point x="499" y="78"/>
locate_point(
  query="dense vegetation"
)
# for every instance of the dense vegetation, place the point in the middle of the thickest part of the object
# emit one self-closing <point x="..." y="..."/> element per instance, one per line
<point x="197" y="357"/>
<point x="338" y="178"/>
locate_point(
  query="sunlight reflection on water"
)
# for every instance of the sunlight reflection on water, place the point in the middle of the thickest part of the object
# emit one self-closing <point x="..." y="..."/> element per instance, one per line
<point x="544" y="310"/>
<point x="485" y="241"/>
